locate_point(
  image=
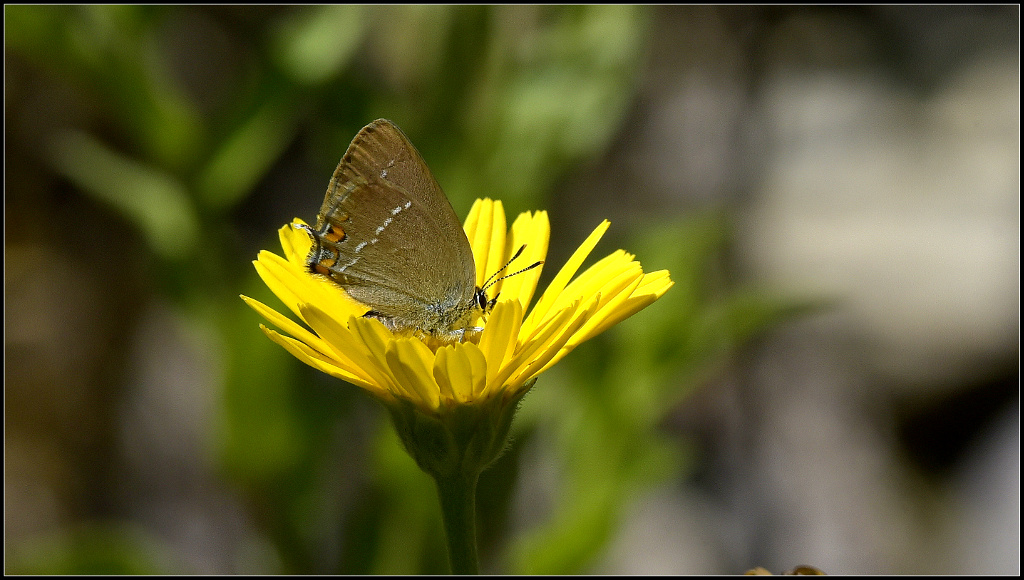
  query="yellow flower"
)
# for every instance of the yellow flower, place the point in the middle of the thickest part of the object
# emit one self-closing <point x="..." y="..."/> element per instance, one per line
<point x="491" y="368"/>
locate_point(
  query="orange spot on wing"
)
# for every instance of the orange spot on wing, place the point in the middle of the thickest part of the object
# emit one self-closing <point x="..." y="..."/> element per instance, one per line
<point x="335" y="235"/>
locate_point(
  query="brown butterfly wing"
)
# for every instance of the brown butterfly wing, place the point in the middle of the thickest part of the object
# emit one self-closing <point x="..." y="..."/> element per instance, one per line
<point x="388" y="235"/>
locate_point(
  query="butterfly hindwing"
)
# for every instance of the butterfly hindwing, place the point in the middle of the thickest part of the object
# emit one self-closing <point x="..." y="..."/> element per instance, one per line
<point x="387" y="234"/>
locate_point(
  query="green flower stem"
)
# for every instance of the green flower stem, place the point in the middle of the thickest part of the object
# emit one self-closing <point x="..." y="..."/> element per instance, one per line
<point x="458" y="509"/>
<point x="454" y="445"/>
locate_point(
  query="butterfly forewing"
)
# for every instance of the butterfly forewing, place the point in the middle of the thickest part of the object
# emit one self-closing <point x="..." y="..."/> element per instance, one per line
<point x="388" y="235"/>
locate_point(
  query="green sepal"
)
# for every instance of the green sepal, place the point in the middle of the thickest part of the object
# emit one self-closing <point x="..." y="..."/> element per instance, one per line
<point x="461" y="439"/>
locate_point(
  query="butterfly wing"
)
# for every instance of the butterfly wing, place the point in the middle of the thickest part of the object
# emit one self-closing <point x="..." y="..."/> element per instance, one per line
<point x="388" y="235"/>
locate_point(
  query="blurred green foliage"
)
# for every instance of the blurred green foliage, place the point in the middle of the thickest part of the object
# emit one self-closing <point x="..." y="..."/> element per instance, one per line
<point x="182" y="112"/>
<point x="102" y="549"/>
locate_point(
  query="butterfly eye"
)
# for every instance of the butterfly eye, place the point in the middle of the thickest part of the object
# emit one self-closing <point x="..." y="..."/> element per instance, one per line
<point x="480" y="297"/>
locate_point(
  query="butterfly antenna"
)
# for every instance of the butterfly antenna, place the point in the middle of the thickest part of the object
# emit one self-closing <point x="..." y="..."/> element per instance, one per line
<point x="491" y="281"/>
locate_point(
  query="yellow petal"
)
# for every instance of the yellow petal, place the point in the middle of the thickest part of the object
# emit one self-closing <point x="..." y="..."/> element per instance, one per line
<point x="605" y="279"/>
<point x="480" y="241"/>
<point x="447" y="373"/>
<point x="629" y="300"/>
<point x="646" y="293"/>
<point x="596" y="277"/>
<point x="485" y="229"/>
<point x="609" y="310"/>
<point x="295" y="242"/>
<point x="498" y="340"/>
<point x="554" y="347"/>
<point x="349" y="352"/>
<point x="375" y="337"/>
<point x="461" y="369"/>
<point x="288" y="325"/>
<point x="498" y="254"/>
<point x="656" y="283"/>
<point x="273" y="270"/>
<point x="554" y="289"/>
<point x="316" y="360"/>
<point x="477" y="365"/>
<point x="473" y="219"/>
<point x="534" y="232"/>
<point x="293" y="285"/>
<point x="411" y="363"/>
<point x="539" y="340"/>
<point x="613" y="292"/>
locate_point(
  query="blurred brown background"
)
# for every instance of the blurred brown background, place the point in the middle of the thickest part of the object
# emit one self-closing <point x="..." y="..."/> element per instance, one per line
<point x="834" y="379"/>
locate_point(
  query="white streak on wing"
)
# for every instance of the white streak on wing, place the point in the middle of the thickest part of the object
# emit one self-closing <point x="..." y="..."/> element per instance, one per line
<point x="397" y="209"/>
<point x="360" y="246"/>
<point x="384" y="225"/>
<point x="354" y="260"/>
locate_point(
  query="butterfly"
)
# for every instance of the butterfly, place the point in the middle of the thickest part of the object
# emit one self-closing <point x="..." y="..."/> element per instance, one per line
<point x="387" y="234"/>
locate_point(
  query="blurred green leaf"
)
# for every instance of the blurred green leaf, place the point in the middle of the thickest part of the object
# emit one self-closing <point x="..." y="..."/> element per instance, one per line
<point x="260" y="435"/>
<point x="115" y="48"/>
<point x="571" y="541"/>
<point x="246" y="154"/>
<point x="152" y="200"/>
<point x="277" y="438"/>
<point x="111" y="51"/>
<point x="314" y="43"/>
<point x="28" y="27"/>
<point x="93" y="549"/>
<point x="410" y="517"/>
<point x="552" y="87"/>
